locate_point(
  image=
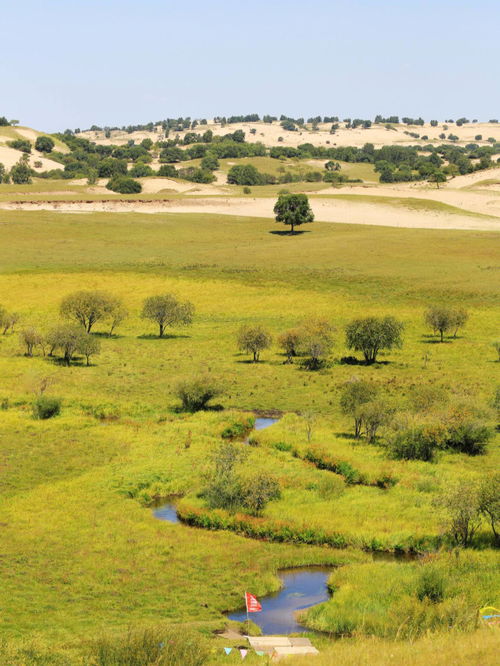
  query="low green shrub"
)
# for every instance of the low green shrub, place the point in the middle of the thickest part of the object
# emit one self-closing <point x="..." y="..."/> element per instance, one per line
<point x="260" y="528"/>
<point x="322" y="461"/>
<point x="469" y="436"/>
<point x="46" y="408"/>
<point x="124" y="185"/>
<point x="238" y="429"/>
<point x="20" y="144"/>
<point x="419" y="443"/>
<point x="196" y="393"/>
<point x="282" y="446"/>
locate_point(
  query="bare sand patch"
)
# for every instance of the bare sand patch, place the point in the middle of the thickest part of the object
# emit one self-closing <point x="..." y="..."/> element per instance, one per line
<point x="10" y="156"/>
<point x="325" y="210"/>
<point x="379" y="135"/>
<point x="471" y="179"/>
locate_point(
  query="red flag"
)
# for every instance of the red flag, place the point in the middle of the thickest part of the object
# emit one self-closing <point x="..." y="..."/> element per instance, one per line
<point x="252" y="603"/>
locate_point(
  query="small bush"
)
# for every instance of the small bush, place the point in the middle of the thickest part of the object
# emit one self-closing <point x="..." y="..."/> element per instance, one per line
<point x="197" y="392"/>
<point x="20" y="144"/>
<point x="46" y="408"/>
<point x="247" y="190"/>
<point x="469" y="437"/>
<point x="418" y="443"/>
<point x="282" y="446"/>
<point x="124" y="185"/>
<point x="386" y="480"/>
<point x="238" y="429"/>
<point x="44" y="144"/>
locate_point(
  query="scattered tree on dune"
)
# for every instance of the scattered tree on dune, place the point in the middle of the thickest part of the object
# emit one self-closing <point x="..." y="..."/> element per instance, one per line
<point x="20" y="173"/>
<point x="437" y="177"/>
<point x="44" y="144"/>
<point x="294" y="210"/>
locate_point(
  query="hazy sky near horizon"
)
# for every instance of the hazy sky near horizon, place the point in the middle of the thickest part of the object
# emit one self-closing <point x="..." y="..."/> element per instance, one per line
<point x="74" y="63"/>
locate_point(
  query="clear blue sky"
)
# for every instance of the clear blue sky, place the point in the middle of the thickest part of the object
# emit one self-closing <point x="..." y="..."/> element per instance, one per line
<point x="73" y="63"/>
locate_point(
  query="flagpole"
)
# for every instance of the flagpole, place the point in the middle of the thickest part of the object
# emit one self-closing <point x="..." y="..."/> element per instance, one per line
<point x="248" y="618"/>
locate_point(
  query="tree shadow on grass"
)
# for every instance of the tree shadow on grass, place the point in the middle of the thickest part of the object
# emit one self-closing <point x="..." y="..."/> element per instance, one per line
<point x="288" y="233"/>
<point x="431" y="340"/>
<point x="107" y="336"/>
<point x="352" y="360"/>
<point x="166" y="336"/>
<point x="249" y="361"/>
<point x="349" y="436"/>
<point x="179" y="409"/>
<point x="75" y="362"/>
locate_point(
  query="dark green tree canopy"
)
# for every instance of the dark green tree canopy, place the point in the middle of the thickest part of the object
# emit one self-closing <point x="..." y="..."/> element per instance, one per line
<point x="44" y="144"/>
<point x="372" y="334"/>
<point x="293" y="209"/>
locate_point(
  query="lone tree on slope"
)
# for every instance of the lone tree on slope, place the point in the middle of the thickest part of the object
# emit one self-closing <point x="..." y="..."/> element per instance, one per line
<point x="293" y="209"/>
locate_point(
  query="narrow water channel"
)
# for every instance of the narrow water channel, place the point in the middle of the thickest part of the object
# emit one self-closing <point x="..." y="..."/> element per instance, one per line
<point x="166" y="512"/>
<point x="264" y="422"/>
<point x="302" y="588"/>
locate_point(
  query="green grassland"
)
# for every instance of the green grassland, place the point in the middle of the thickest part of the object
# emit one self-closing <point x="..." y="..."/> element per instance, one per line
<point x="81" y="552"/>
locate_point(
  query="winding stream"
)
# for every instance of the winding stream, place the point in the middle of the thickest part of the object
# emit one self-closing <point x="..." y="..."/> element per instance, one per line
<point x="302" y="587"/>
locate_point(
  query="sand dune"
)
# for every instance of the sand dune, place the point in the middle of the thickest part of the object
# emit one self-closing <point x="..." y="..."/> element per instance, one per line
<point x="325" y="210"/>
<point x="377" y="134"/>
<point x="10" y="156"/>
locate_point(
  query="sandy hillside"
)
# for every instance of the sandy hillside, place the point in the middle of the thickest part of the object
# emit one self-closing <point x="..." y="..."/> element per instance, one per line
<point x="269" y="134"/>
<point x="9" y="157"/>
